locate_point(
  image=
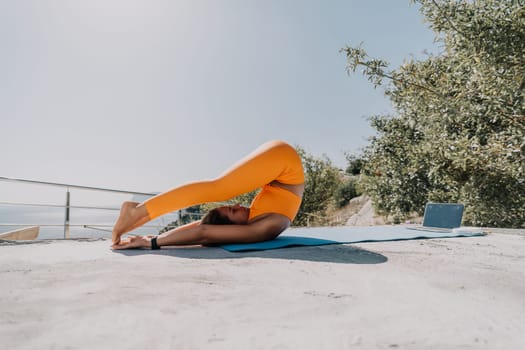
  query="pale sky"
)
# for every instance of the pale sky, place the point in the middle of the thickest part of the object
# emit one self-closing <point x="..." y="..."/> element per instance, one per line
<point x="146" y="94"/>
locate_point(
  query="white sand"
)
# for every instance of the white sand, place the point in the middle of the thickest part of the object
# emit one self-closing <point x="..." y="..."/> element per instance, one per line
<point x="461" y="293"/>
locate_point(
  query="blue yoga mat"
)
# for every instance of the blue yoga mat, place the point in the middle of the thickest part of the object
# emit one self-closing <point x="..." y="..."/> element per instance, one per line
<point x="345" y="234"/>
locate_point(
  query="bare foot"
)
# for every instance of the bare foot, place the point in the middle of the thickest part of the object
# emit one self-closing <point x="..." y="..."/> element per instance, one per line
<point x="132" y="215"/>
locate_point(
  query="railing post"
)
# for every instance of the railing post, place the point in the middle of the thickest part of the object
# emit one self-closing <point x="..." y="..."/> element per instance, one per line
<point x="66" y="220"/>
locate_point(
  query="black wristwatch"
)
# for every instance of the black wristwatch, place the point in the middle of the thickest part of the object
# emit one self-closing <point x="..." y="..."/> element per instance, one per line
<point x="154" y="245"/>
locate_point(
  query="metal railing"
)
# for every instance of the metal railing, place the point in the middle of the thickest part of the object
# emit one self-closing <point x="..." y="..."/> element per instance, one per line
<point x="67" y="224"/>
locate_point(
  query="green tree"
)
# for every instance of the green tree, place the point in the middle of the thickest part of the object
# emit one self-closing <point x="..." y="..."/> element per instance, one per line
<point x="345" y="191"/>
<point x="355" y="164"/>
<point x="458" y="132"/>
<point x="186" y="216"/>
<point x="321" y="181"/>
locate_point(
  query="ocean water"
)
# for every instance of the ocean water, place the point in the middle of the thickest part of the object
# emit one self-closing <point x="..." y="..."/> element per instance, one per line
<point x="51" y="219"/>
<point x="99" y="219"/>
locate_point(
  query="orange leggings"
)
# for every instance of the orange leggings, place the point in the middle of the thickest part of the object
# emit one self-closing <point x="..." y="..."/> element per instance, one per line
<point x="273" y="161"/>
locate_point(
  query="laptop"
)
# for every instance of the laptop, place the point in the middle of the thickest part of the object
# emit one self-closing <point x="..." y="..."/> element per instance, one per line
<point x="441" y="217"/>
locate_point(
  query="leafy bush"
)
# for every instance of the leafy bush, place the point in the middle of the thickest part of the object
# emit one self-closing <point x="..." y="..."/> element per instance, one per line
<point x="321" y="181"/>
<point x="355" y="164"/>
<point x="346" y="190"/>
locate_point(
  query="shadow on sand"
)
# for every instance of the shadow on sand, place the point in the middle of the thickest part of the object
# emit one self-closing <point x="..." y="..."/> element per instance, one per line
<point x="337" y="253"/>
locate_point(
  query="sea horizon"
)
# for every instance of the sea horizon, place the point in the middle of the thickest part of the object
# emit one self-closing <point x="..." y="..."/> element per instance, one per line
<point x="99" y="222"/>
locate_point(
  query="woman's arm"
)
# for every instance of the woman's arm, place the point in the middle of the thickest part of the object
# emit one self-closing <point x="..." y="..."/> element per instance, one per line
<point x="195" y="233"/>
<point x="262" y="230"/>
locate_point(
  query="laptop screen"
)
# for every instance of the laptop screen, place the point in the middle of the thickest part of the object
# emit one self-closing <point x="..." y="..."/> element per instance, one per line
<point x="445" y="215"/>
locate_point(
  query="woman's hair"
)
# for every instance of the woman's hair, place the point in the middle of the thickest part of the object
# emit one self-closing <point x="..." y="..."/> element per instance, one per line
<point x="214" y="217"/>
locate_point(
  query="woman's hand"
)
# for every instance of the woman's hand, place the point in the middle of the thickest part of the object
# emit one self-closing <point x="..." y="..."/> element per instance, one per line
<point x="131" y="242"/>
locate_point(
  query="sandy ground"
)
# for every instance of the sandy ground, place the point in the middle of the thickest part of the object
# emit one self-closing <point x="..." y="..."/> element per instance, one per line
<point x="460" y="293"/>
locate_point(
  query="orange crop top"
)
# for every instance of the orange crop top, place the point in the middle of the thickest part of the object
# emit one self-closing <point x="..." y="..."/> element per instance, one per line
<point x="274" y="199"/>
